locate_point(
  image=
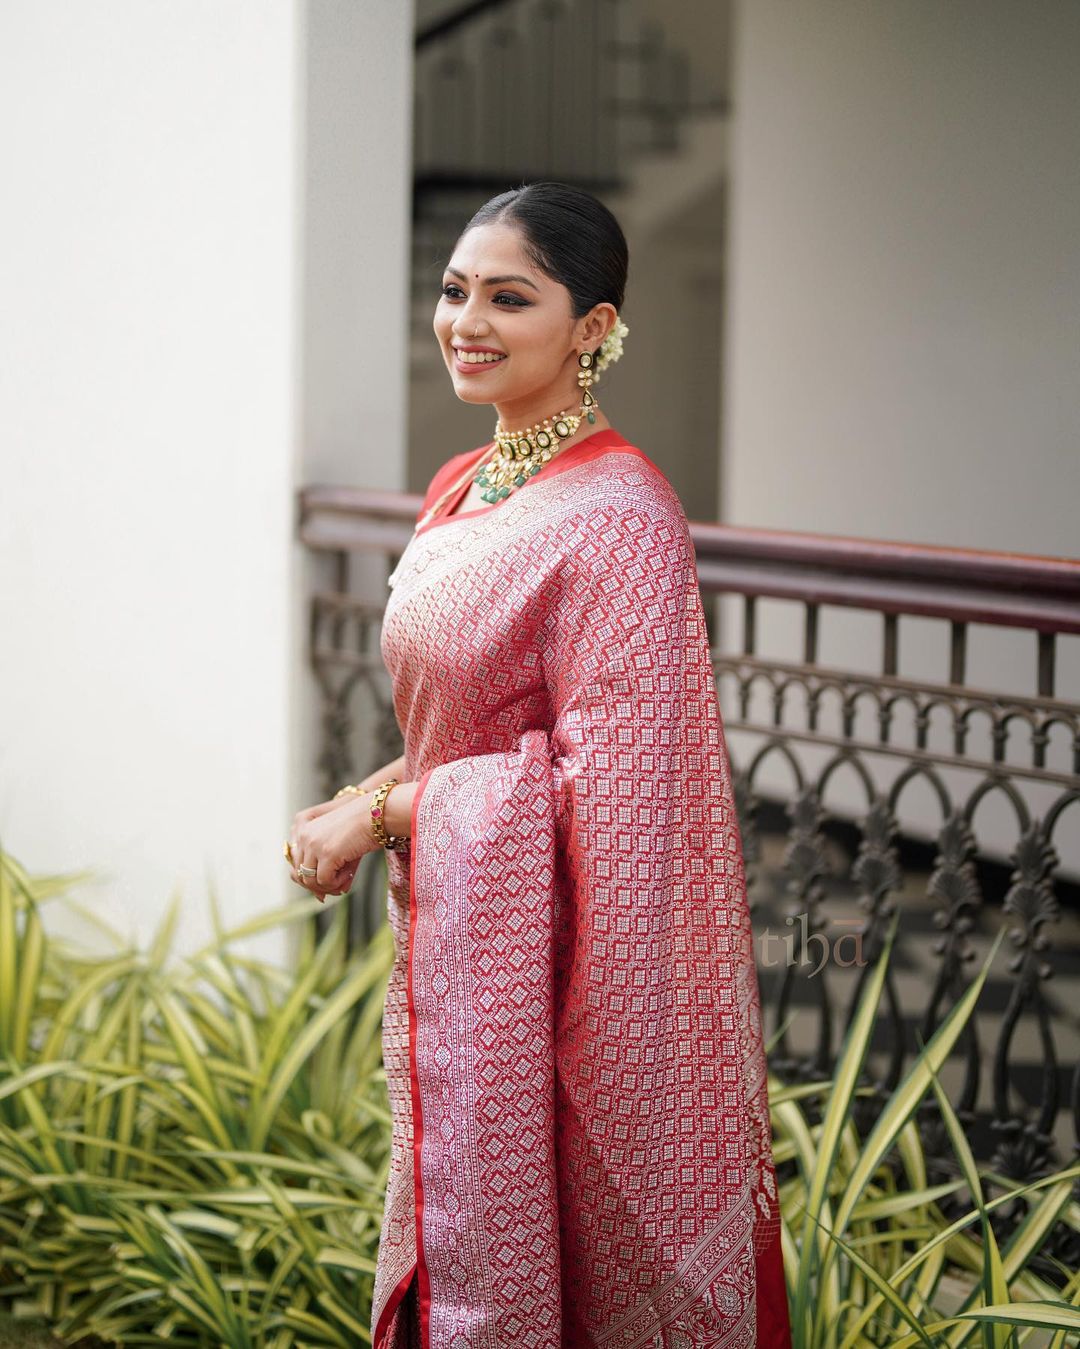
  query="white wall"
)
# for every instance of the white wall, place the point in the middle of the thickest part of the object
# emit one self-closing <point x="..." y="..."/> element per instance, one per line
<point x="904" y="322"/>
<point x="152" y="417"/>
<point x="903" y="334"/>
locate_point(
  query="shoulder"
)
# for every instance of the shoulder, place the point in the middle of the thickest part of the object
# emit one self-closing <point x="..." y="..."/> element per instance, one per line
<point x="625" y="513"/>
<point x="615" y="471"/>
<point x="617" y="480"/>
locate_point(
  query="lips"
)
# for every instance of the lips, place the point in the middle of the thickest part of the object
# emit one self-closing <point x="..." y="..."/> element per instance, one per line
<point x="470" y="367"/>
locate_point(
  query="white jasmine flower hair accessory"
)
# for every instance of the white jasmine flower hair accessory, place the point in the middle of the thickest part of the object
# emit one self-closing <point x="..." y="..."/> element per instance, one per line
<point x="611" y="347"/>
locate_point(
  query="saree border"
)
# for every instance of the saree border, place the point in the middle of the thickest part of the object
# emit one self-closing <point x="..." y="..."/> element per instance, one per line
<point x="419" y="1266"/>
<point x="423" y="1282"/>
<point x="581" y="452"/>
<point x="390" y="1309"/>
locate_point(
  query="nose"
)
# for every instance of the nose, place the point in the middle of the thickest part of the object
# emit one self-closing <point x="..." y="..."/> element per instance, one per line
<point x="467" y="322"/>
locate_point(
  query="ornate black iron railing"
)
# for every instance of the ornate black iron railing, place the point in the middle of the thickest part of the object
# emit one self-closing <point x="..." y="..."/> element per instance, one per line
<point x="827" y="871"/>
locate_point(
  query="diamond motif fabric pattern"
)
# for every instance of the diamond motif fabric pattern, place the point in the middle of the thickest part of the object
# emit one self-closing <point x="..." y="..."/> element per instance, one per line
<point x="572" y="1034"/>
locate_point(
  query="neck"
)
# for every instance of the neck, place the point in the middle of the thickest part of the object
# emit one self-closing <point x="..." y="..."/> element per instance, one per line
<point x="523" y="413"/>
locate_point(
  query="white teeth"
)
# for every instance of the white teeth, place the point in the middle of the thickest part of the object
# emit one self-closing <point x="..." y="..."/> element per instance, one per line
<point x="478" y="357"/>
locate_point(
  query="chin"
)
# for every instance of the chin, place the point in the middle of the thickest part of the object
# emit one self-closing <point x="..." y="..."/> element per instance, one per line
<point x="467" y="394"/>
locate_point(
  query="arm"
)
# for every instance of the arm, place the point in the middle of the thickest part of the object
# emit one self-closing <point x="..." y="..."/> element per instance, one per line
<point x="397" y="816"/>
<point x="393" y="769"/>
<point x="336" y="834"/>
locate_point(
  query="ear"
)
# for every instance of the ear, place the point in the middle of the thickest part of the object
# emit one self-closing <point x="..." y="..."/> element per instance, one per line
<point x="594" y="326"/>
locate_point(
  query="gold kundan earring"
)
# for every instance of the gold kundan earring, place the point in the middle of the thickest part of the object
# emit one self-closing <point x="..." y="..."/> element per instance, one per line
<point x="585" y="378"/>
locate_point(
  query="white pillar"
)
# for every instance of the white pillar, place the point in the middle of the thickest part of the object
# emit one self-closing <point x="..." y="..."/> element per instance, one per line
<point x="162" y="290"/>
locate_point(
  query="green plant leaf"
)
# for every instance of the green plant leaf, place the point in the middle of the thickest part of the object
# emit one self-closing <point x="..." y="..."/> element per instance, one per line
<point x="815" y="1253"/>
<point x="1055" y="1315"/>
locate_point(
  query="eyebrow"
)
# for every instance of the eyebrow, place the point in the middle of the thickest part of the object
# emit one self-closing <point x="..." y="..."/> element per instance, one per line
<point x="496" y="280"/>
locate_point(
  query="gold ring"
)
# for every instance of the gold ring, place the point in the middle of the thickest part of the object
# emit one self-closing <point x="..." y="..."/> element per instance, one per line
<point x="288" y="851"/>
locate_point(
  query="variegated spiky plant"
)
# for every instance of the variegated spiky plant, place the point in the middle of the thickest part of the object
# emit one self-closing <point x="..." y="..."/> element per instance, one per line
<point x="195" y="1151"/>
<point x="192" y="1151"/>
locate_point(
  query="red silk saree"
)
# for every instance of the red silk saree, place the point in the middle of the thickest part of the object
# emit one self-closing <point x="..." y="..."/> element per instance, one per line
<point x="572" y="1039"/>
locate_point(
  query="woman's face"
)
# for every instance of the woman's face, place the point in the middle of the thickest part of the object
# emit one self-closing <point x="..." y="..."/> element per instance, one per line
<point x="522" y="319"/>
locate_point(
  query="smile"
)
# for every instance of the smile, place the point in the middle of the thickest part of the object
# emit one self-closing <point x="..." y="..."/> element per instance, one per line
<point x="477" y="357"/>
<point x="472" y="362"/>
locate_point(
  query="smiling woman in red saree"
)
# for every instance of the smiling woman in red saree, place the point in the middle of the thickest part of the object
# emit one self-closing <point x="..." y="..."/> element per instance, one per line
<point x="572" y="1041"/>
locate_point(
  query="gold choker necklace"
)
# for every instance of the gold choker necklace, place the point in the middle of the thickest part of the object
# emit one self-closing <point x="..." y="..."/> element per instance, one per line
<point x="520" y="454"/>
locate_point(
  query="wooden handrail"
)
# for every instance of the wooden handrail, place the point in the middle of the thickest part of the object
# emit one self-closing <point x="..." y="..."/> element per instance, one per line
<point x="890" y="557"/>
<point x="960" y="584"/>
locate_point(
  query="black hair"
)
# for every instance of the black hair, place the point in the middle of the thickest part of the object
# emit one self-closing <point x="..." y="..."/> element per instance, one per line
<point x="570" y="236"/>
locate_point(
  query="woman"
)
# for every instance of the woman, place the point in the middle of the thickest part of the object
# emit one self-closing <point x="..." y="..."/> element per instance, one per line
<point x="581" y="1147"/>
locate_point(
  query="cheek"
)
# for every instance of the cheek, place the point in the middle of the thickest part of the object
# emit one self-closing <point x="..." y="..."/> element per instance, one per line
<point x="445" y="314"/>
<point x="540" y="339"/>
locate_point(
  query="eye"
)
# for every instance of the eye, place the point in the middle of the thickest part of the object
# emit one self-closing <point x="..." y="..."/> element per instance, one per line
<point x="515" y="301"/>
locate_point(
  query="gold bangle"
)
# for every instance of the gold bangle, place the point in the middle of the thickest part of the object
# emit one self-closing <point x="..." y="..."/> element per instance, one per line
<point x="392" y="842"/>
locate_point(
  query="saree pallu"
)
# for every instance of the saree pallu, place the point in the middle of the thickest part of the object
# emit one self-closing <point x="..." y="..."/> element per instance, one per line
<point x="581" y="1143"/>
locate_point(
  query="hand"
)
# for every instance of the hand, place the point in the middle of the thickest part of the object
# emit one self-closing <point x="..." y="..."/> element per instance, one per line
<point x="332" y="836"/>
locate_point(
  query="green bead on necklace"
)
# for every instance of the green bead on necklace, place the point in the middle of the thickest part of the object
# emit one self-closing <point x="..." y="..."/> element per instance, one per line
<point x="520" y="454"/>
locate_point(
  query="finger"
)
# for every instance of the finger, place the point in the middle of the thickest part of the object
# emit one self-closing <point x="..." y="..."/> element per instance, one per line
<point x="296" y="878"/>
<point x="342" y="881"/>
<point x="304" y="858"/>
<point x="294" y="869"/>
<point x="334" y="880"/>
<point x="347" y="875"/>
<point x="301" y="881"/>
<point x="327" y="872"/>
